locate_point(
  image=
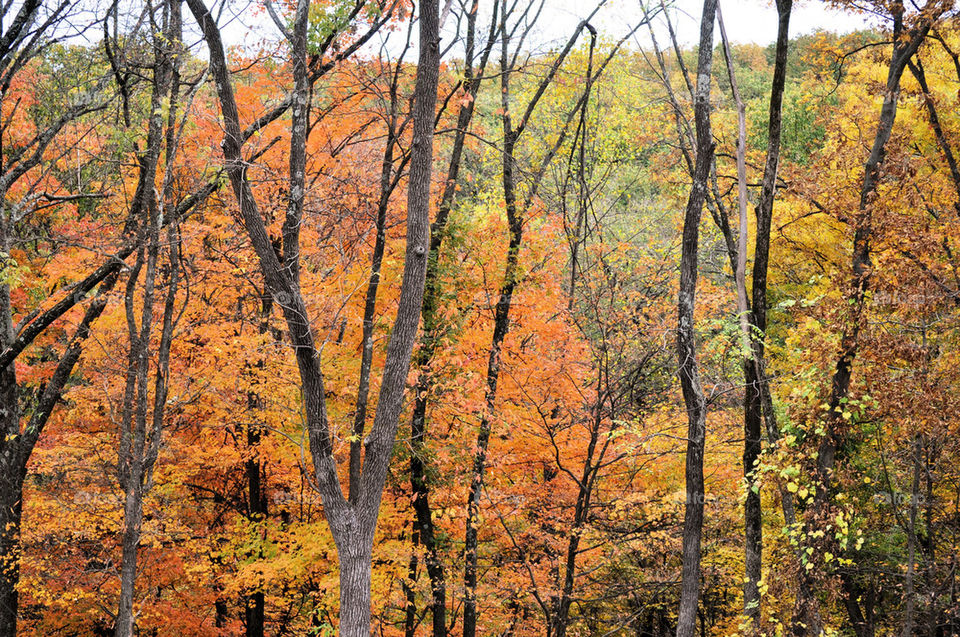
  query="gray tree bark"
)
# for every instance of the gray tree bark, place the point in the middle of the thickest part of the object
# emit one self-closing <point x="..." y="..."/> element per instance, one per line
<point x="432" y="327"/>
<point x="686" y="343"/>
<point x="142" y="421"/>
<point x="352" y="523"/>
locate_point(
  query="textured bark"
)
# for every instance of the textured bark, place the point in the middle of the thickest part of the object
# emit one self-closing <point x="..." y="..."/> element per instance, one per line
<point x="370" y="301"/>
<point x="686" y="345"/>
<point x="352" y="523"/>
<point x="432" y="325"/>
<point x="130" y="541"/>
<point x="12" y="467"/>
<point x="758" y="404"/>
<point x="501" y="323"/>
<point x="22" y="39"/>
<point x="17" y="444"/>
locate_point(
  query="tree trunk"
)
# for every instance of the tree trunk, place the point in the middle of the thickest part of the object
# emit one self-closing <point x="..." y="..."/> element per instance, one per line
<point x="909" y="593"/>
<point x="432" y="326"/>
<point x="904" y="47"/>
<point x="501" y="323"/>
<point x="132" y="516"/>
<point x="142" y="421"/>
<point x="752" y="520"/>
<point x="686" y="345"/>
<point x="12" y="475"/>
<point x="512" y="130"/>
<point x="355" y="574"/>
<point x="254" y="603"/>
<point x="352" y="523"/>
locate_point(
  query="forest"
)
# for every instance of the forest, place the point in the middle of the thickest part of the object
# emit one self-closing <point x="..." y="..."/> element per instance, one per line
<point x="460" y="318"/>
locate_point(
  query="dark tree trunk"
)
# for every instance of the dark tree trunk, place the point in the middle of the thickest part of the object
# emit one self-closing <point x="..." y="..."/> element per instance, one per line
<point x="12" y="475"/>
<point x="432" y="328"/>
<point x="352" y="523"/>
<point x="254" y="604"/>
<point x="754" y="375"/>
<point x="23" y="36"/>
<point x="130" y="542"/>
<point x="591" y="467"/>
<point x="142" y="418"/>
<point x="909" y="592"/>
<point x="752" y="520"/>
<point x="686" y="345"/>
<point x="501" y="323"/>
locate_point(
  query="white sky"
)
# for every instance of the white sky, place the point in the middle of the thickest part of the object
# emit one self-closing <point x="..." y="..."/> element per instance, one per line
<point x="746" y="21"/>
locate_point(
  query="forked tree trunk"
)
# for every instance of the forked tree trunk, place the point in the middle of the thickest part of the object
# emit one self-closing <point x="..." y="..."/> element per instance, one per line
<point x="142" y="421"/>
<point x="752" y="521"/>
<point x="352" y="523"/>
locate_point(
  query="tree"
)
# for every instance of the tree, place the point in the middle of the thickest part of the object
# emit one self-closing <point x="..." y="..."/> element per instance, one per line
<point x="352" y="523"/>
<point x="432" y="330"/>
<point x="686" y="345"/>
<point x="26" y="410"/>
<point x="515" y="207"/>
<point x="908" y="34"/>
<point x="141" y="426"/>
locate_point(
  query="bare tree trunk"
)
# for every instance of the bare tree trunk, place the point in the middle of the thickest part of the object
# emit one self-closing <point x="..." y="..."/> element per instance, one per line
<point x="142" y="422"/>
<point x="501" y="322"/>
<point x="904" y="47"/>
<point x="908" y="585"/>
<point x="592" y="463"/>
<point x="130" y="542"/>
<point x="356" y="571"/>
<point x="686" y="345"/>
<point x="752" y="520"/>
<point x="254" y="604"/>
<point x="432" y="326"/>
<point x="410" y="611"/>
<point x="352" y="523"/>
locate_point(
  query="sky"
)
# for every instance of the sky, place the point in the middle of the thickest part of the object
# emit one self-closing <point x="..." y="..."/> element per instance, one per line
<point x="746" y="21"/>
<point x="756" y="22"/>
